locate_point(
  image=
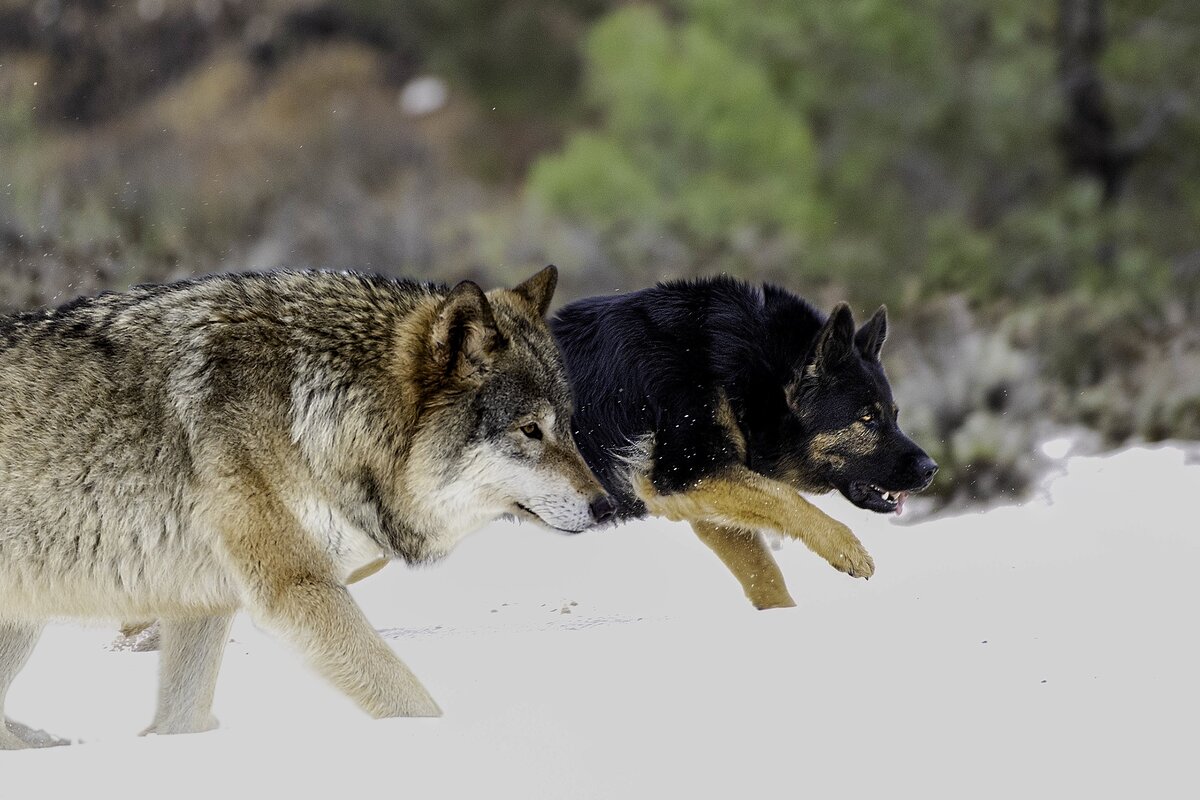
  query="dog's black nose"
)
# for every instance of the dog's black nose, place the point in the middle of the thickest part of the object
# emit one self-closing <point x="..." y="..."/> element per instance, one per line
<point x="926" y="467"/>
<point x="602" y="508"/>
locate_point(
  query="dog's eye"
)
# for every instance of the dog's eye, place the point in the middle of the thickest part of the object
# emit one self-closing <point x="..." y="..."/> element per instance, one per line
<point x="867" y="419"/>
<point x="532" y="430"/>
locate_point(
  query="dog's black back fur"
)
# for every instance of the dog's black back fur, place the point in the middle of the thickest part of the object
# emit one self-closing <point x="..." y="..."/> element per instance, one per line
<point x="651" y="362"/>
<point x="656" y="362"/>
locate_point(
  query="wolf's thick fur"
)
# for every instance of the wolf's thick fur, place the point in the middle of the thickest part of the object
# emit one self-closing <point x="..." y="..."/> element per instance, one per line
<point x="718" y="402"/>
<point x="181" y="451"/>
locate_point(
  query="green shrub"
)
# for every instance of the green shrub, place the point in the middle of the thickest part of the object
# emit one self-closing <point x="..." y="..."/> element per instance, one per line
<point x="694" y="138"/>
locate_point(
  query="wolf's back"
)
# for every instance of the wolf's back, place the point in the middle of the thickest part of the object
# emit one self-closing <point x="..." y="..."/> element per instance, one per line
<point x="111" y="408"/>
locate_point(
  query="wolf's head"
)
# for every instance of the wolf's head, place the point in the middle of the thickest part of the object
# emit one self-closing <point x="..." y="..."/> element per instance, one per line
<point x="851" y="438"/>
<point x="504" y="406"/>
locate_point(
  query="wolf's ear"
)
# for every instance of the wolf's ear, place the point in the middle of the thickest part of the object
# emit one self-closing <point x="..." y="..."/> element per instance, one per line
<point x="870" y="337"/>
<point x="836" y="339"/>
<point x="538" y="290"/>
<point x="464" y="335"/>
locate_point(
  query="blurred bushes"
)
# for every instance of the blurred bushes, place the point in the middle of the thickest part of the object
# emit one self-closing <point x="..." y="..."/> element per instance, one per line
<point x="867" y="140"/>
<point x="695" y="141"/>
<point x="1024" y="193"/>
<point x="973" y="399"/>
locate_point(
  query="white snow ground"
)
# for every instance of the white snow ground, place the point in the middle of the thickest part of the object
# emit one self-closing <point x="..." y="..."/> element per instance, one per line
<point x="1047" y="650"/>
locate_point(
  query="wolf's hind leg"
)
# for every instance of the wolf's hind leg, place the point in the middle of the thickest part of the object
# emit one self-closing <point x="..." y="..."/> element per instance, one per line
<point x="189" y="660"/>
<point x="745" y="554"/>
<point x="17" y="640"/>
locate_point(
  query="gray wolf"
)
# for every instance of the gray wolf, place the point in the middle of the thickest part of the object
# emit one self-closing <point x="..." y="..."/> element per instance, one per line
<point x="718" y="402"/>
<point x="257" y="441"/>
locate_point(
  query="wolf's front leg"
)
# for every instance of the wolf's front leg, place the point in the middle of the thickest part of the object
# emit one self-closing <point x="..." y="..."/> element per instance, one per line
<point x="326" y="623"/>
<point x="289" y="587"/>
<point x="190" y="653"/>
<point x="321" y="619"/>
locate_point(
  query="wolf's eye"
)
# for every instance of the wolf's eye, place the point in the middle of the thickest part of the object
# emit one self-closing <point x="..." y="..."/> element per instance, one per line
<point x="532" y="430"/>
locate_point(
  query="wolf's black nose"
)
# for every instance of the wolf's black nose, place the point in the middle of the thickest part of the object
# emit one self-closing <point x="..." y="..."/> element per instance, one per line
<point x="926" y="467"/>
<point x="602" y="508"/>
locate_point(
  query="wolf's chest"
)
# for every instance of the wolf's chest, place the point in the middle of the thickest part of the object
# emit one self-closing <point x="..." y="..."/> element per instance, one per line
<point x="354" y="553"/>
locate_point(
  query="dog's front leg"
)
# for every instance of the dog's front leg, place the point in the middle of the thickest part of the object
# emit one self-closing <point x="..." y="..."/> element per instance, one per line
<point x="190" y="653"/>
<point x="745" y="554"/>
<point x="741" y="498"/>
<point x="288" y="586"/>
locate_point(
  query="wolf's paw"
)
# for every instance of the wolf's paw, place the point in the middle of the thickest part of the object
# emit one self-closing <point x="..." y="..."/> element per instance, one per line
<point x="422" y="707"/>
<point x="15" y="736"/>
<point x="411" y="703"/>
<point x="173" y="727"/>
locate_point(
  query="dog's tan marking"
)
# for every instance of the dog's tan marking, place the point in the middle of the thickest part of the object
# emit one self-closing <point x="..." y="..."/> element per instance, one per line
<point x="728" y="420"/>
<point x="367" y="570"/>
<point x="745" y="554"/>
<point x="742" y="498"/>
<point x="853" y="441"/>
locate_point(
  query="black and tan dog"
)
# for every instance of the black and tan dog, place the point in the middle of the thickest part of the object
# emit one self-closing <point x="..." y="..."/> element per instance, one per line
<point x="718" y="402"/>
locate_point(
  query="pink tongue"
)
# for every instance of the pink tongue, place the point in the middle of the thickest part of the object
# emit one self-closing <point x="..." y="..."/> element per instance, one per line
<point x="900" y="498"/>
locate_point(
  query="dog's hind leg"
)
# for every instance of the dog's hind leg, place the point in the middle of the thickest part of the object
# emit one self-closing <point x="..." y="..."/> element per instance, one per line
<point x="17" y="640"/>
<point x="742" y="498"/>
<point x="745" y="554"/>
<point x="190" y="653"/>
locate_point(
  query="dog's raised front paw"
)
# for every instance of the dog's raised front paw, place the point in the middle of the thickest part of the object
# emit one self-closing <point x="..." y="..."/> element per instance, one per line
<point x="849" y="556"/>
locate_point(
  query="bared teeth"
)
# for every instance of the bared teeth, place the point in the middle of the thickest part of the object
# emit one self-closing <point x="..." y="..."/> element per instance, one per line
<point x="886" y="496"/>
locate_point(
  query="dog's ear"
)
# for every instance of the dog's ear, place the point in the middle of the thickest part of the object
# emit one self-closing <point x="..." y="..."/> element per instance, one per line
<point x="538" y="290"/>
<point x="835" y="342"/>
<point x="464" y="336"/>
<point x="870" y="337"/>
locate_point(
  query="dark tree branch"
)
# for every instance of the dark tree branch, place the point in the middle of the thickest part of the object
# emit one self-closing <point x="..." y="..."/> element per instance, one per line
<point x="1088" y="136"/>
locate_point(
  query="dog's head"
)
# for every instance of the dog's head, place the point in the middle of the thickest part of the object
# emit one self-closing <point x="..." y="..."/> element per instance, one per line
<point x="843" y="404"/>
<point x="505" y="391"/>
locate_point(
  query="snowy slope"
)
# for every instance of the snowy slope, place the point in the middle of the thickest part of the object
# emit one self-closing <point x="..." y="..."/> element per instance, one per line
<point x="1047" y="650"/>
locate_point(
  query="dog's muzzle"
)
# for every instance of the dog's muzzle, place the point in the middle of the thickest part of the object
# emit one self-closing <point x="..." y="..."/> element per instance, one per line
<point x="890" y="500"/>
